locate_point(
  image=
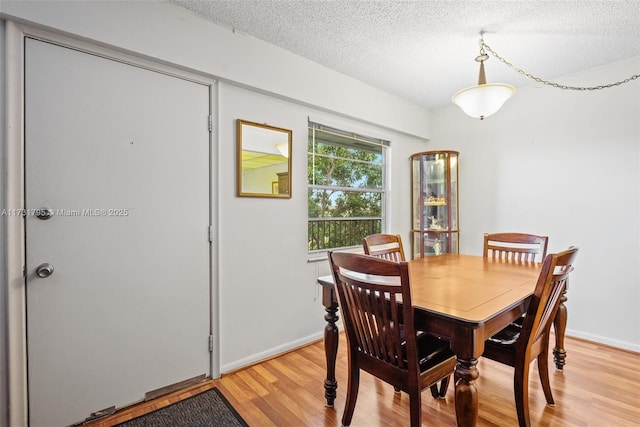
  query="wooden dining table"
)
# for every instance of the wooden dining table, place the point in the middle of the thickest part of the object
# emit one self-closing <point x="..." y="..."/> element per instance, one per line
<point x="463" y="298"/>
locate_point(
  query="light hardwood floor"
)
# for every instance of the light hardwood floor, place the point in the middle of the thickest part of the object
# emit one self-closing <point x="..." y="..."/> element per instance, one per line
<point x="599" y="387"/>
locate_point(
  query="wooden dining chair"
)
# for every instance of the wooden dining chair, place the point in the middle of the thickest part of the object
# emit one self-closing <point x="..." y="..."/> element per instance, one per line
<point x="375" y="299"/>
<point x="386" y="246"/>
<point x="517" y="346"/>
<point x="515" y="246"/>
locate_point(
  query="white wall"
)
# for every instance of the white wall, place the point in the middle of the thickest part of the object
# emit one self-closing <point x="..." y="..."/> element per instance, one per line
<point x="260" y="180"/>
<point x="565" y="164"/>
<point x="270" y="300"/>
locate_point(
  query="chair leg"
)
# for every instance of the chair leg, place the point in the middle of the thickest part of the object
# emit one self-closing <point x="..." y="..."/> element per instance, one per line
<point x="559" y="326"/>
<point x="352" y="394"/>
<point x="521" y="392"/>
<point x="440" y="392"/>
<point x="543" y="372"/>
<point x="415" y="407"/>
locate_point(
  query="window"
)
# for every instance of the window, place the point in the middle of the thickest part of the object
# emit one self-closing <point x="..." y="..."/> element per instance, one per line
<point x="346" y="177"/>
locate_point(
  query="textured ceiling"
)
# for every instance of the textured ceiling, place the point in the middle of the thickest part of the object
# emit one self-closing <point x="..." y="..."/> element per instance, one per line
<point x="424" y="51"/>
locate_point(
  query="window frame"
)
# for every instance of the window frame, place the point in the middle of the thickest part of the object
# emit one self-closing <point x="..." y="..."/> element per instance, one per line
<point x="358" y="141"/>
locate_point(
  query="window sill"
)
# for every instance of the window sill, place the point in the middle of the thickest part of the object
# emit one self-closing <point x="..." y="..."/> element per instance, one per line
<point x="322" y="255"/>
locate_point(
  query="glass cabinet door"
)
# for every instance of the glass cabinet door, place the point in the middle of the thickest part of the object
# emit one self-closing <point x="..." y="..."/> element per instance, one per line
<point x="434" y="176"/>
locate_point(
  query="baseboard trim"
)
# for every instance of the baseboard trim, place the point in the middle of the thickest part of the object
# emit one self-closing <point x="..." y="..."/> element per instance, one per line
<point x="271" y="353"/>
<point x="622" y="345"/>
<point x="276" y="351"/>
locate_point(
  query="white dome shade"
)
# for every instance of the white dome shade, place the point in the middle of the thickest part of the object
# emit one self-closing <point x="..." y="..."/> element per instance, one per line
<point x="483" y="100"/>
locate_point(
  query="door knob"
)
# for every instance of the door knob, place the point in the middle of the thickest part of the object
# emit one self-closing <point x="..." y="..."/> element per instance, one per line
<point x="44" y="270"/>
<point x="44" y="213"/>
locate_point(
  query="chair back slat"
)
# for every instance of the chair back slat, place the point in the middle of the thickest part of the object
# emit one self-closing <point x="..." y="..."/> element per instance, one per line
<point x="373" y="296"/>
<point x="518" y="247"/>
<point x="375" y="321"/>
<point x="385" y="246"/>
<point x="546" y="296"/>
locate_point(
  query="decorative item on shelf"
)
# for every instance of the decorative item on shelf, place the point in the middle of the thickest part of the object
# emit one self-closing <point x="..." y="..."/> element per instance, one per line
<point x="437" y="249"/>
<point x="434" y="200"/>
<point x="484" y="99"/>
<point x="435" y="223"/>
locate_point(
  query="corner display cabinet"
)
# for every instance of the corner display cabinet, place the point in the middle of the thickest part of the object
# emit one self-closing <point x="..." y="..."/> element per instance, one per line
<point x="434" y="176"/>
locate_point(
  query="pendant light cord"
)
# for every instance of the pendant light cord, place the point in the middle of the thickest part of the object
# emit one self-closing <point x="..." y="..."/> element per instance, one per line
<point x="484" y="46"/>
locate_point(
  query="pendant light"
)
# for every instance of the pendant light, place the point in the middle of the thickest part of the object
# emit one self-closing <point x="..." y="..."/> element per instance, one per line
<point x="484" y="99"/>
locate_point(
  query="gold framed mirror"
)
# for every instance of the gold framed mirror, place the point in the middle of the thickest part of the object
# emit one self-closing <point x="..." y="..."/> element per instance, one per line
<point x="264" y="162"/>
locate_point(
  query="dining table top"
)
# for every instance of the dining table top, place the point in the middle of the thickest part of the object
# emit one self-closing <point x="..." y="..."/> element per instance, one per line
<point x="467" y="287"/>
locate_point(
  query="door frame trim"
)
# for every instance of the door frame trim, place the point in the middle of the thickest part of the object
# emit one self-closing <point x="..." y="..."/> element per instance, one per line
<point x="13" y="347"/>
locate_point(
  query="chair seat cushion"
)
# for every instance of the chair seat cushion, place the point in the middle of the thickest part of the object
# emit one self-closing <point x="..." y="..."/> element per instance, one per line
<point x="431" y="351"/>
<point x="502" y="346"/>
<point x="519" y="321"/>
<point x="507" y="336"/>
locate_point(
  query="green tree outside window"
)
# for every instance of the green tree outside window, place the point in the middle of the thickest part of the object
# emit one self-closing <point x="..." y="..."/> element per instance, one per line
<point x="346" y="188"/>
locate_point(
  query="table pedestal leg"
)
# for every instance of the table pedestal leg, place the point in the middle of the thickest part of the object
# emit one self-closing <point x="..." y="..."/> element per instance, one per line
<point x="559" y="326"/>
<point x="466" y="399"/>
<point x="330" y="351"/>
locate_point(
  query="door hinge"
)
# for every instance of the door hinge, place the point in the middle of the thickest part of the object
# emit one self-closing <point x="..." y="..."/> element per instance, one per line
<point x="210" y="343"/>
<point x="210" y="233"/>
<point x="210" y="123"/>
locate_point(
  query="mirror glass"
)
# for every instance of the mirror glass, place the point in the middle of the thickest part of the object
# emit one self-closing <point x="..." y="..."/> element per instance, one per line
<point x="264" y="164"/>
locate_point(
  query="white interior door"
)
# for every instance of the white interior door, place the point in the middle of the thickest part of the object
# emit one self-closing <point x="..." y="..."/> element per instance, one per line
<point x="120" y="154"/>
